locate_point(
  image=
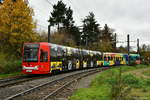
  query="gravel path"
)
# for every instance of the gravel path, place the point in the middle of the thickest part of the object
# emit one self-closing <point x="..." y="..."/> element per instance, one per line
<point x="68" y="92"/>
<point x="85" y="82"/>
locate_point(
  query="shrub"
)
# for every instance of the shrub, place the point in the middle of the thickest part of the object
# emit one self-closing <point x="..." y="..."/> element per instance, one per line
<point x="9" y="64"/>
<point x="147" y="82"/>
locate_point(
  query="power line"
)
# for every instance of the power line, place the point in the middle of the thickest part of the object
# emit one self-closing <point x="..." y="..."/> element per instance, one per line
<point x="49" y="3"/>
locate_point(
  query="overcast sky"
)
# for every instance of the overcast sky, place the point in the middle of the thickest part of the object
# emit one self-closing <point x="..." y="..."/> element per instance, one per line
<point x="125" y="16"/>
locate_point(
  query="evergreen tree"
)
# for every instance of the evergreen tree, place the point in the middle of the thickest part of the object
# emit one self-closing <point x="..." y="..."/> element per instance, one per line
<point x="90" y="29"/>
<point x="16" y="25"/>
<point x="58" y="15"/>
<point x="107" y="37"/>
<point x="68" y="21"/>
<point x="76" y="34"/>
<point x="62" y="15"/>
<point x="69" y="26"/>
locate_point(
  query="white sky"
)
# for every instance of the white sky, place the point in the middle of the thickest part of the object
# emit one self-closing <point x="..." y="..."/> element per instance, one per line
<point x="125" y="16"/>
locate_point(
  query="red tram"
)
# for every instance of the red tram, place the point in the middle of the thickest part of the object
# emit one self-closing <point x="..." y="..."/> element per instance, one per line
<point x="44" y="58"/>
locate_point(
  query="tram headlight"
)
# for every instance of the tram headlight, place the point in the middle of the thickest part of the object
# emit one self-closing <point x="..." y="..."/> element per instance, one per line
<point x="30" y="68"/>
<point x="36" y="67"/>
<point x="23" y="67"/>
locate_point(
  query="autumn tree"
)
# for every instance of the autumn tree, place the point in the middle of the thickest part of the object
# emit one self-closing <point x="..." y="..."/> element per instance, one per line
<point x="90" y="29"/>
<point x="16" y="25"/>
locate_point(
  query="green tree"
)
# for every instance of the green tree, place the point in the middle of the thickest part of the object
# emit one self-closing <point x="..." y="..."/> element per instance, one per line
<point x="69" y="26"/>
<point x="90" y="29"/>
<point x="145" y="53"/>
<point x="68" y="21"/>
<point x="63" y="16"/>
<point x="17" y="25"/>
<point x="58" y="15"/>
<point x="74" y="31"/>
<point x="107" y="37"/>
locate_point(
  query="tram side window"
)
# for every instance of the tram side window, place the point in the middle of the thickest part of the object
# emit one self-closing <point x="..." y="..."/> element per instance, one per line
<point x="137" y="58"/>
<point x="101" y="57"/>
<point x="97" y="56"/>
<point x="69" y="54"/>
<point x="63" y="52"/>
<point x="59" y="52"/>
<point x="113" y="58"/>
<point x="74" y="53"/>
<point x="53" y="54"/>
<point x="109" y="58"/>
<point x="44" y="56"/>
<point x="117" y="58"/>
<point x="105" y="58"/>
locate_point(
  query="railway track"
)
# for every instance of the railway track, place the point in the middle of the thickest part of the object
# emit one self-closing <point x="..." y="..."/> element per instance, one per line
<point x="18" y="80"/>
<point x="11" y="79"/>
<point x="53" y="87"/>
<point x="66" y="88"/>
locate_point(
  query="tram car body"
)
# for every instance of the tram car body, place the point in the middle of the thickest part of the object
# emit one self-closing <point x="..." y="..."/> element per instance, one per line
<point x="44" y="58"/>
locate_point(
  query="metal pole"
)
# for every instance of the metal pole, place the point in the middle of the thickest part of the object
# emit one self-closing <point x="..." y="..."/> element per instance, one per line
<point x="115" y="41"/>
<point x="49" y="33"/>
<point x="138" y="47"/>
<point x="128" y="45"/>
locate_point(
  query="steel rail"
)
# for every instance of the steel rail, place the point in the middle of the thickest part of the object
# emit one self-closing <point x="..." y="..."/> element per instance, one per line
<point x="11" y="79"/>
<point x="20" y="79"/>
<point x="49" y="82"/>
<point x="67" y="84"/>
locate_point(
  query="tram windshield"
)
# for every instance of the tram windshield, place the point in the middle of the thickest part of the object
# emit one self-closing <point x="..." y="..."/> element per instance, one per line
<point x="31" y="52"/>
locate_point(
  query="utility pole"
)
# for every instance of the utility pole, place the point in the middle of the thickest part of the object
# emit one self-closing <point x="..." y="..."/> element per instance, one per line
<point x="128" y="47"/>
<point x="115" y="41"/>
<point x="49" y="33"/>
<point x="80" y="30"/>
<point x="138" y="47"/>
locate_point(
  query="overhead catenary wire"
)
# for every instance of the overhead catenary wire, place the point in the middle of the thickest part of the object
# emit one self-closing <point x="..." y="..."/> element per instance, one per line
<point x="49" y="3"/>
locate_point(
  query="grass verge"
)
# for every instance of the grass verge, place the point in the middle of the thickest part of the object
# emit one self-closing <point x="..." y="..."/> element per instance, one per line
<point x="115" y="85"/>
<point x="10" y="75"/>
<point x="146" y="72"/>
